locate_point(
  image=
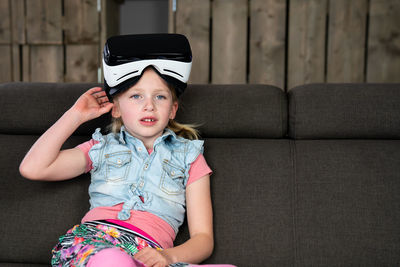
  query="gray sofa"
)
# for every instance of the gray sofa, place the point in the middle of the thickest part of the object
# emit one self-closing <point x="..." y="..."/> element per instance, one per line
<point x="305" y="178"/>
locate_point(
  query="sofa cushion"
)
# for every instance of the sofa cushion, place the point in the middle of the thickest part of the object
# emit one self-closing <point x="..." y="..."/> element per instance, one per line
<point x="246" y="189"/>
<point x="252" y="189"/>
<point x="34" y="214"/>
<point x="347" y="202"/>
<point x="323" y="111"/>
<point x="235" y="111"/>
<point x="31" y="108"/>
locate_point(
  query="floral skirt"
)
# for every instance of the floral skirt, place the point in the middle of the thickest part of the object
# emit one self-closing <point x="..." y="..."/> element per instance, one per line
<point x="83" y="241"/>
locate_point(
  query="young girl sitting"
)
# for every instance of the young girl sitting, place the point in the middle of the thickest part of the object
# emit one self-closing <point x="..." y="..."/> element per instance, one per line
<point x="145" y="173"/>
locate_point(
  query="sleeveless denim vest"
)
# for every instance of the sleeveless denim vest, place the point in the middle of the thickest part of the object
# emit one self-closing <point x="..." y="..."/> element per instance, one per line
<point x="124" y="172"/>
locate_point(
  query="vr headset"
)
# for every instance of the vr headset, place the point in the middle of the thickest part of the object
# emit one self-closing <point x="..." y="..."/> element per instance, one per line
<point x="126" y="56"/>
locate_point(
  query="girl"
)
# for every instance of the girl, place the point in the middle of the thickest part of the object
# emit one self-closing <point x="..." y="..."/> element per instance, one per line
<point x="143" y="175"/>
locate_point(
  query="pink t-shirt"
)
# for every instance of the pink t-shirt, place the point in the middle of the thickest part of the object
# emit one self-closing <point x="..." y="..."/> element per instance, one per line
<point x="154" y="226"/>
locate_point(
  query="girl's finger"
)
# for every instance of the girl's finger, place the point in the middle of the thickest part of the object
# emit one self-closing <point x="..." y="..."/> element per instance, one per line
<point x="101" y="97"/>
<point x="106" y="107"/>
<point x="100" y="92"/>
<point x="104" y="98"/>
<point x="141" y="255"/>
<point x="94" y="90"/>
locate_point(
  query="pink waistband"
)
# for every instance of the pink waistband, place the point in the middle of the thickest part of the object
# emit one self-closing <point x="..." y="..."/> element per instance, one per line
<point x="133" y="228"/>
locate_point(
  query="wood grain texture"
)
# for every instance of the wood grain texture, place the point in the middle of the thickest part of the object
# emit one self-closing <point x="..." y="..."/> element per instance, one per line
<point x="193" y="20"/>
<point x="81" y="22"/>
<point x="267" y="42"/>
<point x="5" y="63"/>
<point x="384" y="41"/>
<point x="16" y="62"/>
<point x="26" y="73"/>
<point x="82" y="63"/>
<point x="46" y="63"/>
<point x="18" y="21"/>
<point x="5" y="22"/>
<point x="307" y="28"/>
<point x="229" y="41"/>
<point x="346" y="40"/>
<point x="44" y="21"/>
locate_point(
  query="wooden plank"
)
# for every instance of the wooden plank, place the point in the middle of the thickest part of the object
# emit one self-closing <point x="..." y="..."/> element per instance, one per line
<point x="81" y="21"/>
<point x="81" y="63"/>
<point x="193" y="20"/>
<point x="5" y="22"/>
<point x="16" y="62"/>
<point x="18" y="21"/>
<point x="307" y="23"/>
<point x="267" y="42"/>
<point x="5" y="64"/>
<point x="384" y="41"/>
<point x="26" y="73"/>
<point x="43" y="21"/>
<point x="346" y="42"/>
<point x="229" y="41"/>
<point x="46" y="63"/>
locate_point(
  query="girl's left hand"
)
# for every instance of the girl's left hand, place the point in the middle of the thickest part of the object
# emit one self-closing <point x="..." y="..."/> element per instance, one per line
<point x="151" y="257"/>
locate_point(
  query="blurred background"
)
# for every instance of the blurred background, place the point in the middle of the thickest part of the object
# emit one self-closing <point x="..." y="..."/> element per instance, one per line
<point x="279" y="42"/>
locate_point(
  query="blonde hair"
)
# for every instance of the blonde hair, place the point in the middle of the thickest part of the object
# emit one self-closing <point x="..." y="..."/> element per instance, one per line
<point x="187" y="131"/>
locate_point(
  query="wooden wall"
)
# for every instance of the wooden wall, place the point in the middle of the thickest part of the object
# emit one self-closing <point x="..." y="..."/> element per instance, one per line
<point x="291" y="42"/>
<point x="53" y="40"/>
<point x="279" y="42"/>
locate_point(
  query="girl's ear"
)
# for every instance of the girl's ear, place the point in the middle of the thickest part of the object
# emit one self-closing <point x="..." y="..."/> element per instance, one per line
<point x="115" y="112"/>
<point x="174" y="109"/>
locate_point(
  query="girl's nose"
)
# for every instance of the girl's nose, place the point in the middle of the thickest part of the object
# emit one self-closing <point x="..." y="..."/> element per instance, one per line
<point x="149" y="105"/>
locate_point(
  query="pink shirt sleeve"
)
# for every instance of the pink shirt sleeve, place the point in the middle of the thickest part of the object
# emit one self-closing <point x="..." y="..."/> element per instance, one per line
<point x="85" y="147"/>
<point x="198" y="168"/>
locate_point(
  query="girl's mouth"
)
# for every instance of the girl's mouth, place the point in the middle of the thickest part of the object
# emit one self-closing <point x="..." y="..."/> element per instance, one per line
<point x="149" y="121"/>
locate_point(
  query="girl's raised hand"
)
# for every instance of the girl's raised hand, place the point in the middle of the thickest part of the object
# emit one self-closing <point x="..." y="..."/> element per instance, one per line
<point x="92" y="104"/>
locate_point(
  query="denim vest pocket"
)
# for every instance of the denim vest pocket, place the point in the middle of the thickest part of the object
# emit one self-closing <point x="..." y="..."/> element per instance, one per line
<point x="117" y="165"/>
<point x="172" y="178"/>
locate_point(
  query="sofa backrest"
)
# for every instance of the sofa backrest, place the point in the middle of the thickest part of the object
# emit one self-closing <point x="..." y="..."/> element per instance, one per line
<point x="226" y="111"/>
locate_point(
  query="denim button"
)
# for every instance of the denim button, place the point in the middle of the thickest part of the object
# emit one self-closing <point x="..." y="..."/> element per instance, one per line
<point x="124" y="215"/>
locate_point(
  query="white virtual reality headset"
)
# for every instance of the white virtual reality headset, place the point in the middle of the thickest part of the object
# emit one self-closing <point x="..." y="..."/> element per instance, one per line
<point x="126" y="56"/>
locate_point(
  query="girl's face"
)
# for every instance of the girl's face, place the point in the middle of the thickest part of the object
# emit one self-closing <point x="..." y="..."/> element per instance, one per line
<point x="146" y="107"/>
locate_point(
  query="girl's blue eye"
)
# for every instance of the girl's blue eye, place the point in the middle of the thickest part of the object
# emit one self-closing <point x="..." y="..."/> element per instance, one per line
<point x="161" y="97"/>
<point x="135" y="96"/>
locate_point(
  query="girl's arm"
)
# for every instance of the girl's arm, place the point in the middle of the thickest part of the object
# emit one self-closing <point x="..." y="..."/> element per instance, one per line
<point x="200" y="221"/>
<point x="201" y="243"/>
<point x="45" y="161"/>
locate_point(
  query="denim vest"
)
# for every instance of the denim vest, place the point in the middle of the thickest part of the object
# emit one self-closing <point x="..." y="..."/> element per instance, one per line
<point x="124" y="172"/>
